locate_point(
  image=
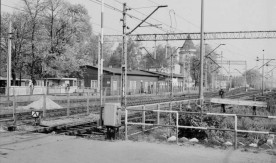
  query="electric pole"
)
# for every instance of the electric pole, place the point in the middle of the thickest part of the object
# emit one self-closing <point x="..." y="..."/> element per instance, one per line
<point x="9" y="61"/>
<point x="124" y="60"/>
<point x="269" y="60"/>
<point x="0" y="38"/>
<point x="171" y="83"/>
<point x="201" y="53"/>
<point x="124" y="53"/>
<point x="263" y="76"/>
<point x="101" y="63"/>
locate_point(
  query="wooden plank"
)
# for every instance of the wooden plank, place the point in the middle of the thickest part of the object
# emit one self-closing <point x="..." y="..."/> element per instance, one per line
<point x="238" y="102"/>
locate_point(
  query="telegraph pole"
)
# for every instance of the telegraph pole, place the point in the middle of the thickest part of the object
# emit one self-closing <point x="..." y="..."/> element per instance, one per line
<point x="263" y="76"/>
<point x="101" y="55"/>
<point x="9" y="61"/>
<point x="124" y="53"/>
<point x="124" y="60"/>
<point x="245" y="76"/>
<point x="201" y="53"/>
<point x="269" y="60"/>
<point x="171" y="84"/>
<point x="206" y="73"/>
<point x="101" y="63"/>
<point x="0" y="37"/>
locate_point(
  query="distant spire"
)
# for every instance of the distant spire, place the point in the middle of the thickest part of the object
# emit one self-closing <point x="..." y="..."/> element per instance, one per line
<point x="188" y="44"/>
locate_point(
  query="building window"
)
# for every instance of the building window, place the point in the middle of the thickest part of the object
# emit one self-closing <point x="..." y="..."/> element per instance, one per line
<point x="132" y="85"/>
<point x="146" y="86"/>
<point x="114" y="85"/>
<point x="94" y="83"/>
<point x="71" y="82"/>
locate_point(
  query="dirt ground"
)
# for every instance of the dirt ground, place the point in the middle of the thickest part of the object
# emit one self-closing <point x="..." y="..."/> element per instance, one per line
<point x="42" y="148"/>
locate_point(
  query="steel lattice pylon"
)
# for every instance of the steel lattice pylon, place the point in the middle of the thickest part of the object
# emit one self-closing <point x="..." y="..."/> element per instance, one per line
<point x="196" y="36"/>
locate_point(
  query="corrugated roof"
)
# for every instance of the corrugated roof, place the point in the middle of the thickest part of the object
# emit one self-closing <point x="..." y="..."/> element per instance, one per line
<point x="129" y="72"/>
<point x="164" y="74"/>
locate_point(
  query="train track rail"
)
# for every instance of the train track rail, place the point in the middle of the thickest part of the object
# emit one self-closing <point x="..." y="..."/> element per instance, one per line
<point x="89" y="128"/>
<point x="95" y="108"/>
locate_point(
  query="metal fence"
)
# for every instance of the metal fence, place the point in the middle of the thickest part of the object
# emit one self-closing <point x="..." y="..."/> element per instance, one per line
<point x="155" y="108"/>
<point x="39" y="90"/>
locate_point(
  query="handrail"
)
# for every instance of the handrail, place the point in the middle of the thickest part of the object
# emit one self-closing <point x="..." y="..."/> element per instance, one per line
<point x="177" y="126"/>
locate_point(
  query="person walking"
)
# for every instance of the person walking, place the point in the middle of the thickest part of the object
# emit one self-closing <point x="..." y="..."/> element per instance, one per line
<point x="222" y="95"/>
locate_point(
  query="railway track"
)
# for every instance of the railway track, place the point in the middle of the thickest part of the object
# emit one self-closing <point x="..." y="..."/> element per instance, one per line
<point x="89" y="128"/>
<point x="95" y="108"/>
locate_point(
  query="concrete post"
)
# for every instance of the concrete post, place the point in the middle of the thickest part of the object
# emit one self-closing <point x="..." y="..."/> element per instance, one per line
<point x="87" y="104"/>
<point x="177" y="116"/>
<point x="44" y="104"/>
<point x="68" y="104"/>
<point x="158" y="114"/>
<point x="236" y="134"/>
<point x="170" y="118"/>
<point x="14" y="107"/>
<point x="143" y="118"/>
<point x="126" y="138"/>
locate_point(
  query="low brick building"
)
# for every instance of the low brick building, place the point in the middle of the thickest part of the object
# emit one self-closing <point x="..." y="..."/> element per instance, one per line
<point x="138" y="81"/>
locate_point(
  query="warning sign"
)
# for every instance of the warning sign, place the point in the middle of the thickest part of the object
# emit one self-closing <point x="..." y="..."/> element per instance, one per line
<point x="35" y="114"/>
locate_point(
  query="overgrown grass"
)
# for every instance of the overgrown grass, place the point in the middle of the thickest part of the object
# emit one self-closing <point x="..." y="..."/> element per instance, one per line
<point x="244" y="123"/>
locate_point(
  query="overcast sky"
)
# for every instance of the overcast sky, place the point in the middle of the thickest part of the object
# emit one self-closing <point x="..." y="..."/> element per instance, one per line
<point x="184" y="16"/>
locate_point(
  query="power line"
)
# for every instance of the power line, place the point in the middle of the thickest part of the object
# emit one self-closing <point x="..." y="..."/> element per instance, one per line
<point x="178" y="15"/>
<point x="118" y="2"/>
<point x="135" y="9"/>
<point x="156" y="20"/>
<point x="118" y="10"/>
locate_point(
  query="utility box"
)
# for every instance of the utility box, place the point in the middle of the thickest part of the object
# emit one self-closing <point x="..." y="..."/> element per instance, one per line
<point x="112" y="114"/>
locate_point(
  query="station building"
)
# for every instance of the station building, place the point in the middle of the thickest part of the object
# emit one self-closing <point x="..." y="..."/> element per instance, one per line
<point x="138" y="81"/>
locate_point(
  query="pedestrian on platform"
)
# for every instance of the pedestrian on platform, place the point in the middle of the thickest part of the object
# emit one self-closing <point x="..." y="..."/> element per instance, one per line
<point x="222" y="95"/>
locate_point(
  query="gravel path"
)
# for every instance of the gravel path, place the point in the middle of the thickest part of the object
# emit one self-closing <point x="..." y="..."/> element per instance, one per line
<point x="41" y="148"/>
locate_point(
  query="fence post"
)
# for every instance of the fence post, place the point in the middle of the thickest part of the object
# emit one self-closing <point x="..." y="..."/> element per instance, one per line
<point x="143" y="118"/>
<point x="14" y="108"/>
<point x="177" y="127"/>
<point x="158" y="114"/>
<point x="236" y="134"/>
<point x="104" y="96"/>
<point x="170" y="118"/>
<point x="126" y="138"/>
<point x="44" y="104"/>
<point x="87" y="104"/>
<point x="68" y="103"/>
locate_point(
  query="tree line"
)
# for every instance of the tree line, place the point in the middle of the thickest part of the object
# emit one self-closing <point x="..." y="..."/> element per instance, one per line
<point x="50" y="38"/>
<point x="53" y="38"/>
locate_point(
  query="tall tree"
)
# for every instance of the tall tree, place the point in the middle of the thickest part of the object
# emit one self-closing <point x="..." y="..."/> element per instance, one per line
<point x="253" y="78"/>
<point x="51" y="38"/>
<point x="133" y="55"/>
<point x="209" y="64"/>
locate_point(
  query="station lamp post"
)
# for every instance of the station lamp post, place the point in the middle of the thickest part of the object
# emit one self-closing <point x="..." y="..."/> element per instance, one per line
<point x="263" y="64"/>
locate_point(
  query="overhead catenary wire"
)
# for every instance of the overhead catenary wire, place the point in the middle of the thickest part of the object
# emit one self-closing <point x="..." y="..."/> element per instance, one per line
<point x="120" y="11"/>
<point x="135" y="9"/>
<point x="169" y="26"/>
<point x="181" y="17"/>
